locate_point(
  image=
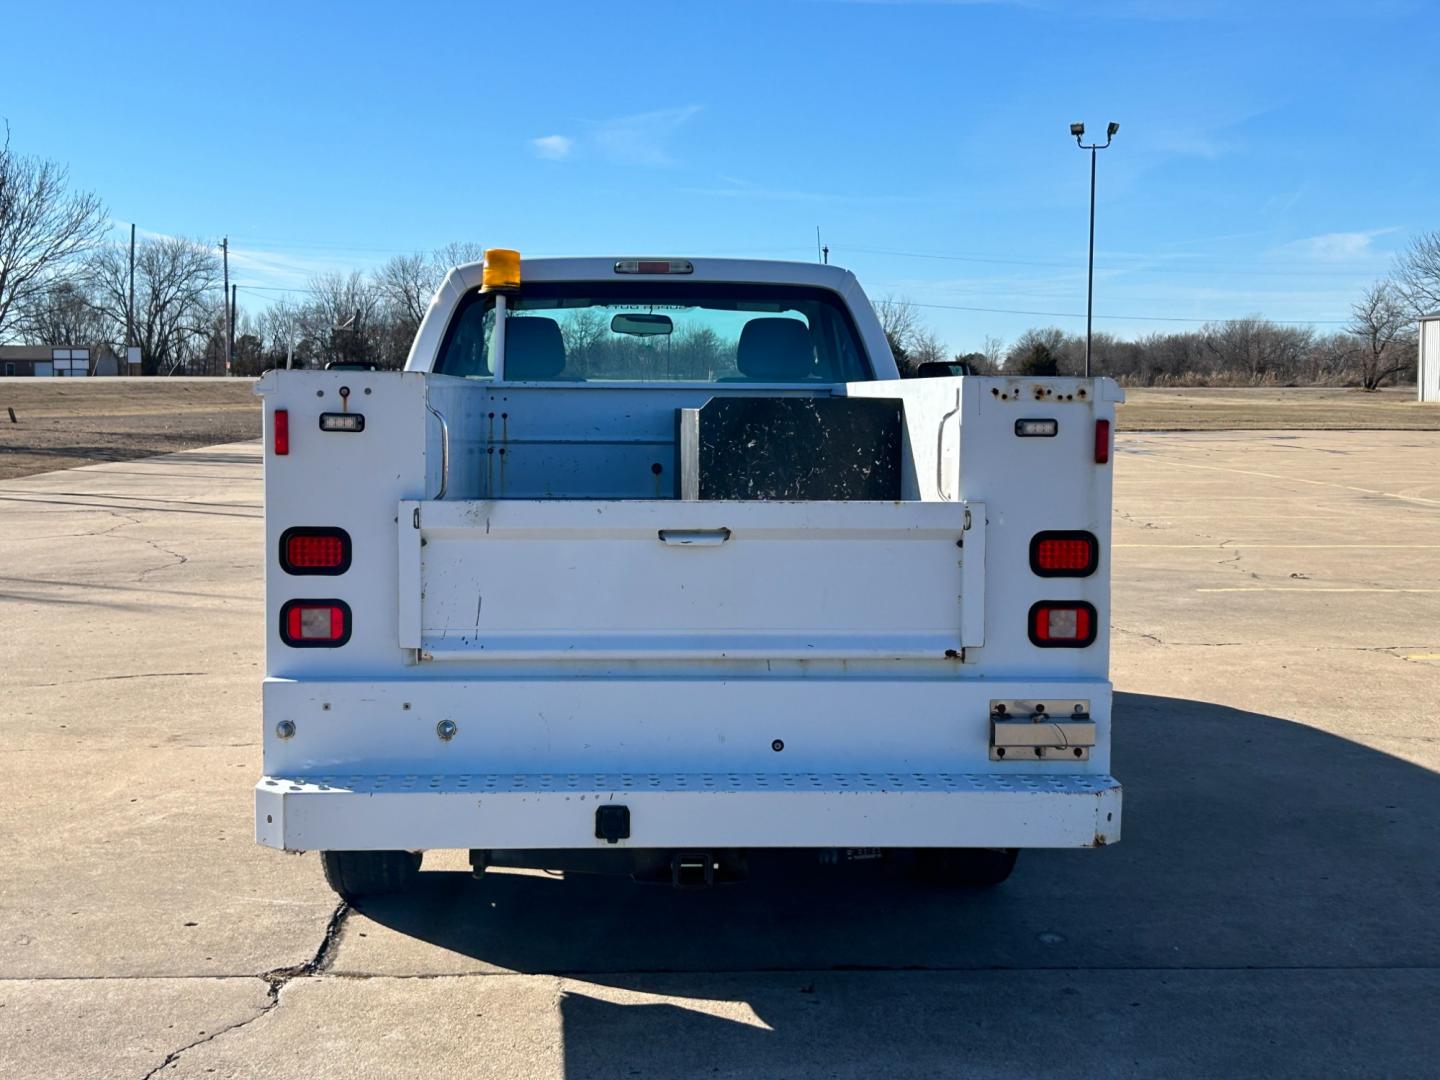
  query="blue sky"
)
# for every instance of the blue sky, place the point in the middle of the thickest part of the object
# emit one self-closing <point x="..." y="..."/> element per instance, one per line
<point x="1272" y="156"/>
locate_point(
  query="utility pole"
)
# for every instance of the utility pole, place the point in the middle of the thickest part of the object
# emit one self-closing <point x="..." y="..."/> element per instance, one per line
<point x="230" y="337"/>
<point x="819" y="251"/>
<point x="130" y="307"/>
<point x="225" y="257"/>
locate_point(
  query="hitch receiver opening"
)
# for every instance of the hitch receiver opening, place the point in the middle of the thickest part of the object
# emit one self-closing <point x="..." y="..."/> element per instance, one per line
<point x="692" y="870"/>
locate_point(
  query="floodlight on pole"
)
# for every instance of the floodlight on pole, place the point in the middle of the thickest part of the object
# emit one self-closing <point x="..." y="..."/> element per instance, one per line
<point x="1078" y="131"/>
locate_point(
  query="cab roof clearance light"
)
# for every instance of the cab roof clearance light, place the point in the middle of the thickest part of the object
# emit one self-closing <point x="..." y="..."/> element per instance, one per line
<point x="654" y="266"/>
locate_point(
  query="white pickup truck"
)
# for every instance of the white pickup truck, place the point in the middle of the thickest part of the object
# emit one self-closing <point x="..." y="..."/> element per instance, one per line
<point x="643" y="565"/>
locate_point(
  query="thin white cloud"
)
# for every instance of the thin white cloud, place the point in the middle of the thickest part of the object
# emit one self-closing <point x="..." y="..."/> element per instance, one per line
<point x="640" y="139"/>
<point x="284" y="268"/>
<point x="1282" y="202"/>
<point x="1338" y="246"/>
<point x="553" y="147"/>
<point x="1195" y="144"/>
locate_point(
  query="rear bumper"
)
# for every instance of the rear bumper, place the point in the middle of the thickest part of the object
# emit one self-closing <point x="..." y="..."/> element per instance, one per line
<point x="689" y="810"/>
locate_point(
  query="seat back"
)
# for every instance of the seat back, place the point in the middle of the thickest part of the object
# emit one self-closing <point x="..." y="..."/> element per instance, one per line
<point x="776" y="350"/>
<point x="534" y="348"/>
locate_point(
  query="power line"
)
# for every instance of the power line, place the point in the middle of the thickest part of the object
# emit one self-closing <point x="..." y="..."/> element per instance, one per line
<point x="1134" y="318"/>
<point x="1195" y="268"/>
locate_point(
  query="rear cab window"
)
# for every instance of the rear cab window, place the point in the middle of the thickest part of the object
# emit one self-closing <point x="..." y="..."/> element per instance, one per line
<point x="659" y="332"/>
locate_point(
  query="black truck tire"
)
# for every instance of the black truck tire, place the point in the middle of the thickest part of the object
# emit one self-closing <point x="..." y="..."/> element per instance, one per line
<point x="357" y="874"/>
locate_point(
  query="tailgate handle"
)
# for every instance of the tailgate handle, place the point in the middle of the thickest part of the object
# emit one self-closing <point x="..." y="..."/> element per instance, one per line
<point x="694" y="537"/>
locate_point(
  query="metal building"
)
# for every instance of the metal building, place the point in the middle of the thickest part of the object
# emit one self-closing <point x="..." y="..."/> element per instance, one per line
<point x="1429" y="377"/>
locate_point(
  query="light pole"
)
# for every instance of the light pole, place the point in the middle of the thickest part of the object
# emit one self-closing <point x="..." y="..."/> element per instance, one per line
<point x="1078" y="130"/>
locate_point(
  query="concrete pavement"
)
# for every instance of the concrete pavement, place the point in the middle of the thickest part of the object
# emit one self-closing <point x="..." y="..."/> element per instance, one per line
<point x="1271" y="909"/>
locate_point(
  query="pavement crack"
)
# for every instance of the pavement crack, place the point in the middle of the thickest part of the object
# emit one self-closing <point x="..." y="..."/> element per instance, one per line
<point x="111" y="678"/>
<point x="1190" y="644"/>
<point x="174" y="1056"/>
<point x="1131" y="519"/>
<point x="280" y="977"/>
<point x="180" y="560"/>
<point x="277" y="979"/>
<point x="1139" y="634"/>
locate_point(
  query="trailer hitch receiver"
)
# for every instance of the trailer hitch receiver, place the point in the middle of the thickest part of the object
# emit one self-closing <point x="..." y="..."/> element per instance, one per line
<point x="692" y="870"/>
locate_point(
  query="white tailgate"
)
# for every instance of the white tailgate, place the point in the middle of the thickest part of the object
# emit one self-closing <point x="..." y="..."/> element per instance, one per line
<point x="515" y="579"/>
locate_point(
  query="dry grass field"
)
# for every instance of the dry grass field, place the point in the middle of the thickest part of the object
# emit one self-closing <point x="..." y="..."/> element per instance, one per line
<point x="62" y="423"/>
<point x="1276" y="408"/>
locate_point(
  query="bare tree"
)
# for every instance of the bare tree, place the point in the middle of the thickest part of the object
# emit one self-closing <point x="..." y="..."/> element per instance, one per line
<point x="1380" y="320"/>
<point x="1256" y="348"/>
<point x="175" y="282"/>
<point x="44" y="227"/>
<point x="282" y="332"/>
<point x="1332" y="361"/>
<point x="346" y="317"/>
<point x="1417" y="273"/>
<point x="62" y="313"/>
<point x="456" y="253"/>
<point x="900" y="321"/>
<point x="925" y="348"/>
<point x="994" y="351"/>
<point x="407" y="282"/>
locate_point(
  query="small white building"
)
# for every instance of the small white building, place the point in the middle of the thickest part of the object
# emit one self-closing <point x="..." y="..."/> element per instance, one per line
<point x="1429" y="375"/>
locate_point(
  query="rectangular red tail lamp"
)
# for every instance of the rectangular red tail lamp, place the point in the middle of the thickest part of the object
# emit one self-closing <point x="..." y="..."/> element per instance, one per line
<point x="1064" y="553"/>
<point x="281" y="442"/>
<point x="1102" y="442"/>
<point x="314" y="549"/>
<point x="315" y="624"/>
<point x="1062" y="624"/>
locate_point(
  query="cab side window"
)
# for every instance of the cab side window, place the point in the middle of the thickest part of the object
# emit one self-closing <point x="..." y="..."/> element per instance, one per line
<point x="466" y="351"/>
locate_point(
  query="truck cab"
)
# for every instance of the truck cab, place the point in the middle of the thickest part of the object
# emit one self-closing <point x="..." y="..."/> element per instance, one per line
<point x="648" y="564"/>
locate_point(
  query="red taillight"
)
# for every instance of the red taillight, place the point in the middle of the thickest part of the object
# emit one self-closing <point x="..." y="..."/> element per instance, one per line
<point x="1064" y="554"/>
<point x="311" y="549"/>
<point x="1102" y="442"/>
<point x="1062" y="624"/>
<point x="282" y="431"/>
<point x="315" y="623"/>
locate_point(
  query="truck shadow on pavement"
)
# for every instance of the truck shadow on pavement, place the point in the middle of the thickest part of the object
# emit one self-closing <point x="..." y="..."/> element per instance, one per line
<point x="1271" y="909"/>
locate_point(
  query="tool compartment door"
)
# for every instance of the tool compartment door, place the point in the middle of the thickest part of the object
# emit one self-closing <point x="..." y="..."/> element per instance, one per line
<point x="558" y="579"/>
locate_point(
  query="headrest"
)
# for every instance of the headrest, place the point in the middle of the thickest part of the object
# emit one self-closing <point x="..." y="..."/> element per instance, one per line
<point x="534" y="348"/>
<point x="776" y="350"/>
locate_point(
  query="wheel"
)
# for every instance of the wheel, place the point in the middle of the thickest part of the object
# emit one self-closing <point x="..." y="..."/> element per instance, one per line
<point x="975" y="868"/>
<point x="357" y="874"/>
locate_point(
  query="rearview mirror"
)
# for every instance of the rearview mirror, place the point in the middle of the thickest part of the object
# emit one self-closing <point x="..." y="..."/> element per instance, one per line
<point x="642" y="325"/>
